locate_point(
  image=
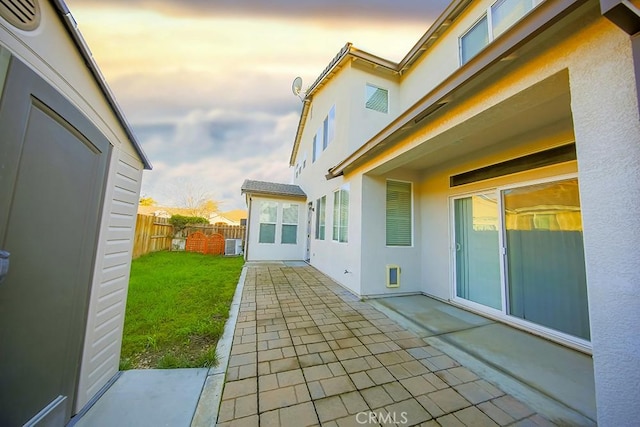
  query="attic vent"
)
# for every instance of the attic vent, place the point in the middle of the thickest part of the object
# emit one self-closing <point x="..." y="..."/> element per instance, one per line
<point x="23" y="14"/>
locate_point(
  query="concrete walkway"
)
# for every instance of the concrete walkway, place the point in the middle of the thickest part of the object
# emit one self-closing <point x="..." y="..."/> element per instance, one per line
<point x="307" y="352"/>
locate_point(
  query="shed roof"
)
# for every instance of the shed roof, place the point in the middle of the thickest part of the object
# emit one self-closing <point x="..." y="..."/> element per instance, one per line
<point x="72" y="28"/>
<point x="272" y="189"/>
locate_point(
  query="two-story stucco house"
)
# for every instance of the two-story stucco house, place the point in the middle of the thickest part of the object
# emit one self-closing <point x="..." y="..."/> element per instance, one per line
<point x="495" y="167"/>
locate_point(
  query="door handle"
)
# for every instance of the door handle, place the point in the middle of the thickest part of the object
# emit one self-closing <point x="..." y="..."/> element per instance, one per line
<point x="4" y="264"/>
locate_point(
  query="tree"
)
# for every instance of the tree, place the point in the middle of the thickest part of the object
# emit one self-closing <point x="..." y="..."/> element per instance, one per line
<point x="147" y="201"/>
<point x="195" y="200"/>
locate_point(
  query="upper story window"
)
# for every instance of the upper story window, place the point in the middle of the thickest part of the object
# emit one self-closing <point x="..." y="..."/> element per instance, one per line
<point x="325" y="134"/>
<point x="317" y="145"/>
<point x="376" y="98"/>
<point x="499" y="17"/>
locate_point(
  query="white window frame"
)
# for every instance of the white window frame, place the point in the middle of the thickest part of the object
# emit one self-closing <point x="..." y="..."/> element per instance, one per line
<point x="321" y="216"/>
<point x="473" y="26"/>
<point x="275" y="223"/>
<point x="502" y="315"/>
<point x="337" y="217"/>
<point x="283" y="223"/>
<point x="366" y="97"/>
<point x="490" y="28"/>
<point x="411" y="214"/>
<point x="331" y="126"/>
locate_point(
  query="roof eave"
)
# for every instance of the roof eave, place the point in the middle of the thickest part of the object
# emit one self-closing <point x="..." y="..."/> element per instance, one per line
<point x="306" y="104"/>
<point x="542" y="17"/>
<point x="273" y="194"/>
<point x="347" y="52"/>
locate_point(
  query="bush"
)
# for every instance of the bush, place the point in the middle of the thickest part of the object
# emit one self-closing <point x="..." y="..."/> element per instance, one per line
<point x="179" y="222"/>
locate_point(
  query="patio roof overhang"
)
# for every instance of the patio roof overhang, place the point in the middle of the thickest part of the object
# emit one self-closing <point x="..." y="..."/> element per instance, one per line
<point x="489" y="62"/>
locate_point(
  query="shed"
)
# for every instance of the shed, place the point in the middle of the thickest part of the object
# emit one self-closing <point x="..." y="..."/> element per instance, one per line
<point x="277" y="224"/>
<point x="70" y="175"/>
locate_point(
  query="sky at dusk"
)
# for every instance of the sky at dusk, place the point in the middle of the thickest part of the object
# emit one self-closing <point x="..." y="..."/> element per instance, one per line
<point x="206" y="84"/>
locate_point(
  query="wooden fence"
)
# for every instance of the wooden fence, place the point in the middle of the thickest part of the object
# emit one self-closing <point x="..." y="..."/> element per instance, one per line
<point x="228" y="231"/>
<point x="152" y="234"/>
<point x="156" y="234"/>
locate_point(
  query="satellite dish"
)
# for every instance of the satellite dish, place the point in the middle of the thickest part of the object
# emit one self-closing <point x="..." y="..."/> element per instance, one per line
<point x="296" y="87"/>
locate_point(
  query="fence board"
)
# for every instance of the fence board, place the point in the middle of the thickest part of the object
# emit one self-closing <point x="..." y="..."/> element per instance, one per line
<point x="227" y="231"/>
<point x="155" y="234"/>
<point x="152" y="234"/>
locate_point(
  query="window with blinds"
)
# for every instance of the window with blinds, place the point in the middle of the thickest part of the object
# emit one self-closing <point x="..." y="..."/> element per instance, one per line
<point x="377" y="98"/>
<point x="399" y="218"/>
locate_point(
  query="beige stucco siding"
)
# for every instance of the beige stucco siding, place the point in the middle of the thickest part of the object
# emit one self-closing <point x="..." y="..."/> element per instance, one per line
<point x="587" y="62"/>
<point x="376" y="255"/>
<point x="275" y="251"/>
<point x="607" y="129"/>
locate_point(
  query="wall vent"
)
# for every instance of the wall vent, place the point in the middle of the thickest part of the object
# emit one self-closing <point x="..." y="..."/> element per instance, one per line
<point x="22" y="14"/>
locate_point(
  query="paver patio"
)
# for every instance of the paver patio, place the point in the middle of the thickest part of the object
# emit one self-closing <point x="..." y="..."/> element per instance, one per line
<point x="307" y="352"/>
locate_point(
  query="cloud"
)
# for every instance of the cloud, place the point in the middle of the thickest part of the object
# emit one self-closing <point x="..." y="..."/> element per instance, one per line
<point x="159" y="97"/>
<point x="347" y="10"/>
<point x="217" y="150"/>
<point x="206" y="84"/>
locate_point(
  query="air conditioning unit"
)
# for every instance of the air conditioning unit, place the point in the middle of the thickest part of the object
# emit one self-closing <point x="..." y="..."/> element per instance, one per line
<point x="233" y="246"/>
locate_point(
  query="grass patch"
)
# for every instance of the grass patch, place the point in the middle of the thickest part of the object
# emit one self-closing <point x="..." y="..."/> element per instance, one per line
<point x="177" y="306"/>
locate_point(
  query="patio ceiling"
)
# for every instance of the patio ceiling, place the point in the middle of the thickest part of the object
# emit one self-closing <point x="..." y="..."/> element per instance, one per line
<point x="540" y="112"/>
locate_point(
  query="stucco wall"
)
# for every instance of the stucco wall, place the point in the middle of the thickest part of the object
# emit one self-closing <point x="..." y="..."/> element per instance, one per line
<point x="276" y="251"/>
<point x="340" y="261"/>
<point x="603" y="103"/>
<point x="369" y="122"/>
<point x="607" y="132"/>
<point x="376" y="255"/>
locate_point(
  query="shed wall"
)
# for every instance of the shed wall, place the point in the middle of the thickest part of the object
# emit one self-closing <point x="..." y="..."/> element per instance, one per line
<point x="51" y="53"/>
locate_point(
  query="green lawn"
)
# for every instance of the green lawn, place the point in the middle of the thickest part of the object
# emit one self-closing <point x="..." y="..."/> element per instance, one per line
<point x="177" y="305"/>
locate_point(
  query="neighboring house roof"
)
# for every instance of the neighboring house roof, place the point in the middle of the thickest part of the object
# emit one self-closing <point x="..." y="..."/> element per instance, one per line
<point x="272" y="189"/>
<point x="72" y="27"/>
<point x="164" y="210"/>
<point x="235" y="215"/>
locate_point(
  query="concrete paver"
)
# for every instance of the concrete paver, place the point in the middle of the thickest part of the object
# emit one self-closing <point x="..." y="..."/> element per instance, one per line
<point x="307" y="352"/>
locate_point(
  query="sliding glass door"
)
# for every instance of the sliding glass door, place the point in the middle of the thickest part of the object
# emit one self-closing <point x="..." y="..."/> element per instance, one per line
<point x="536" y="231"/>
<point x="545" y="256"/>
<point x="477" y="250"/>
